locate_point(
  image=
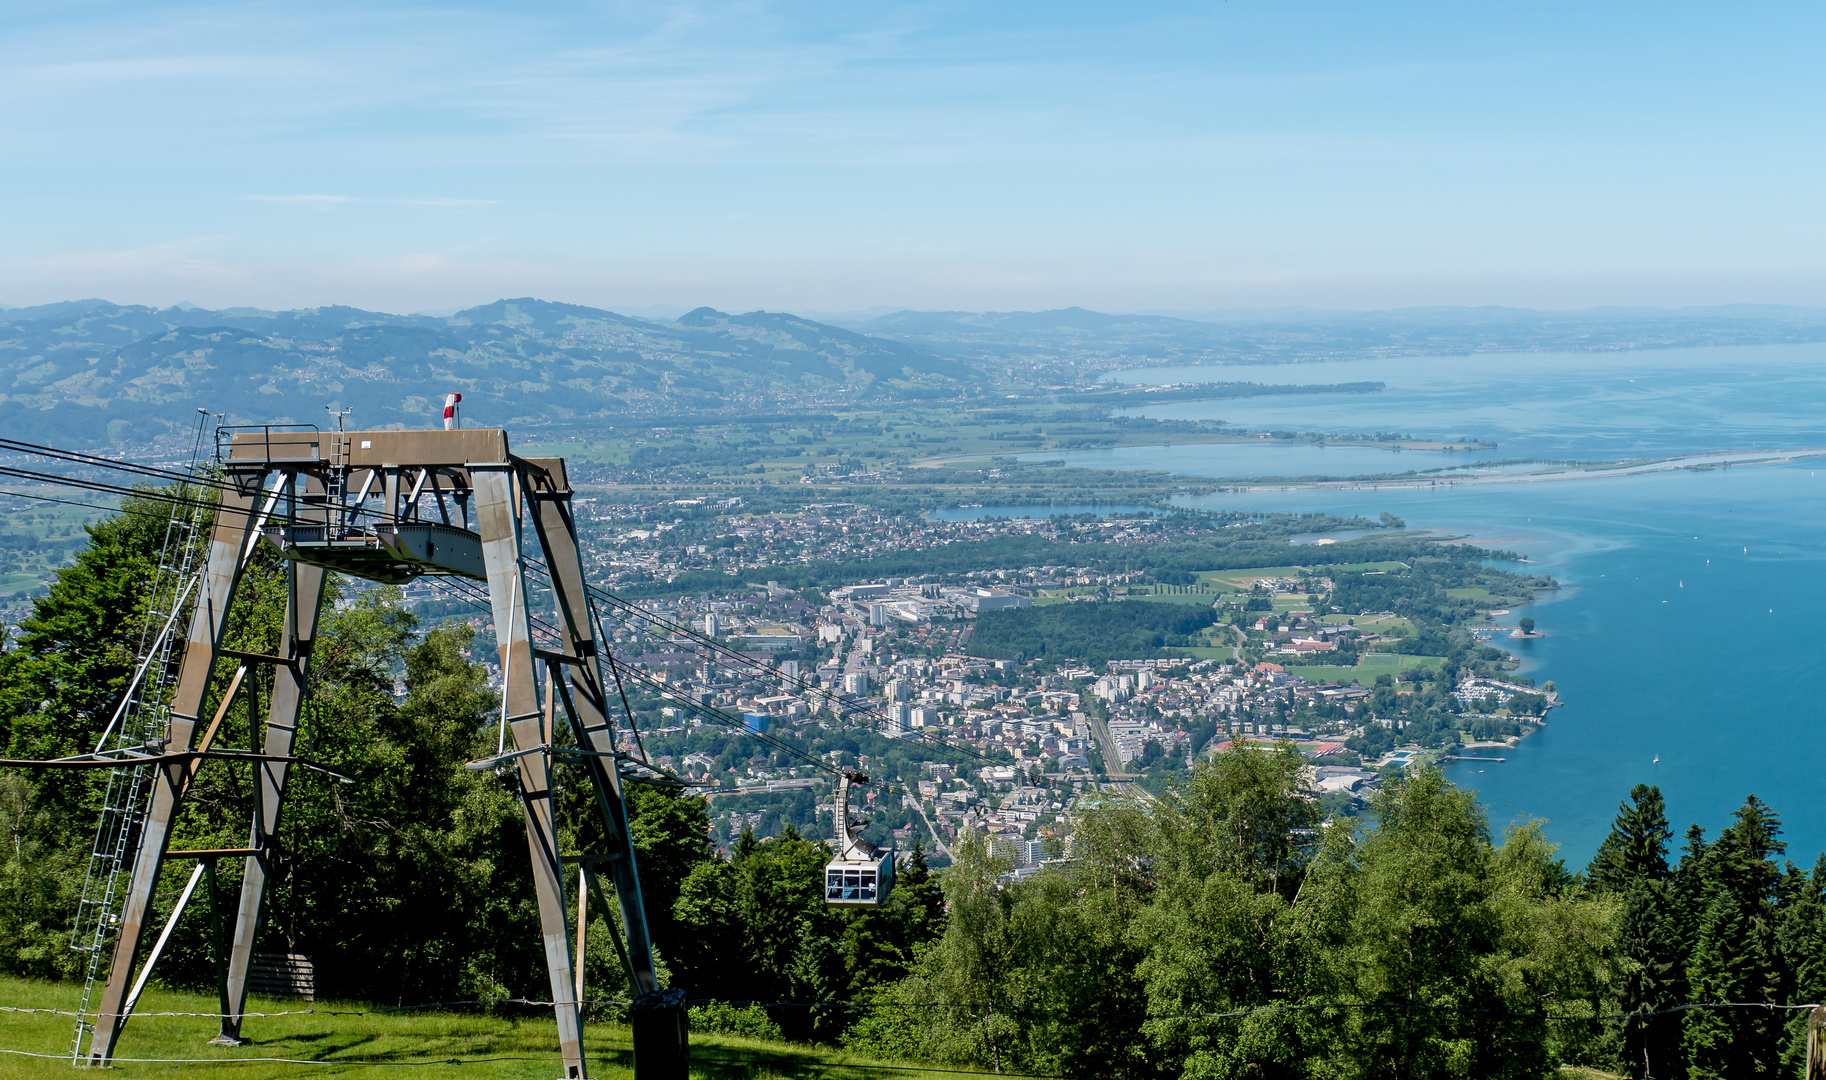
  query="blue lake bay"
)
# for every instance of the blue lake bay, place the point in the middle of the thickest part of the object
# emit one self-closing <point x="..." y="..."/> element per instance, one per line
<point x="1692" y="621"/>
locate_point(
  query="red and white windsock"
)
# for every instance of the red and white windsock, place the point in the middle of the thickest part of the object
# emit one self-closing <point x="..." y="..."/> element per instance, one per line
<point x="451" y="401"/>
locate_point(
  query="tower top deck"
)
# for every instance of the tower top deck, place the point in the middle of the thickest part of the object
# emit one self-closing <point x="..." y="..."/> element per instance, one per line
<point x="383" y="505"/>
<point x="295" y="446"/>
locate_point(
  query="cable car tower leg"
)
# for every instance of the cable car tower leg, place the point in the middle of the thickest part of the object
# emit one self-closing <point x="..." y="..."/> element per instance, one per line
<point x="498" y="518"/>
<point x="300" y="628"/>
<point x="658" y="1018"/>
<point x="227" y="546"/>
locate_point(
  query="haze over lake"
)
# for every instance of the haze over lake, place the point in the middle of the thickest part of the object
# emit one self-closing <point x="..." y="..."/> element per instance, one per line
<point x="1596" y="406"/>
<point x="1689" y="621"/>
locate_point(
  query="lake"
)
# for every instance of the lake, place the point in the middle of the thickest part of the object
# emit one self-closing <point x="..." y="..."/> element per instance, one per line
<point x="1694" y="606"/>
<point x="1585" y="406"/>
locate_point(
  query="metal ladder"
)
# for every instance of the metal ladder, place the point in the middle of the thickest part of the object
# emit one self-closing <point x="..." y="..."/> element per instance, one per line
<point x="140" y="727"/>
<point x="336" y="490"/>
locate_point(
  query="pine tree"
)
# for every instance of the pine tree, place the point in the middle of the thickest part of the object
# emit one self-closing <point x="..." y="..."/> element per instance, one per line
<point x="1687" y="895"/>
<point x="1650" y="1039"/>
<point x="1801" y="941"/>
<point x="922" y="896"/>
<point x="1636" y="848"/>
<point x="1733" y="958"/>
<point x="1718" y="972"/>
<point x="1632" y="862"/>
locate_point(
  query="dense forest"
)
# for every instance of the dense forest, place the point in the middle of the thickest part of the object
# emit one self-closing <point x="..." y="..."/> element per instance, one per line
<point x="1092" y="633"/>
<point x="1422" y="590"/>
<point x="1223" y="932"/>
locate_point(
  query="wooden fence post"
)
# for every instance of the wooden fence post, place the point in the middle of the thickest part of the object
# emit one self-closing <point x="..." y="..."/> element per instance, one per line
<point x="1816" y="1043"/>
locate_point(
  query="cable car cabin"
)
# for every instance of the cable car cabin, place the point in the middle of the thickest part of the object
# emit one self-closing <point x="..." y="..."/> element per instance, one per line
<point x="862" y="874"/>
<point x="859" y="882"/>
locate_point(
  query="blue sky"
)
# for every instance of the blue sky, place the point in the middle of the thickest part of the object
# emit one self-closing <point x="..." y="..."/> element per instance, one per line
<point x="842" y="157"/>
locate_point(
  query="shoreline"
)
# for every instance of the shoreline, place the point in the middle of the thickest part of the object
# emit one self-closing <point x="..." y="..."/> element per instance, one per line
<point x="1723" y="459"/>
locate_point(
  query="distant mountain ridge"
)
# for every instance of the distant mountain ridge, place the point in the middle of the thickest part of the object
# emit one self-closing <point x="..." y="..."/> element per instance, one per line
<point x="1095" y="341"/>
<point x="92" y="372"/>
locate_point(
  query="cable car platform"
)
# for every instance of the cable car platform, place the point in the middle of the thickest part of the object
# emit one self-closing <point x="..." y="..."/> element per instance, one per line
<point x="391" y="553"/>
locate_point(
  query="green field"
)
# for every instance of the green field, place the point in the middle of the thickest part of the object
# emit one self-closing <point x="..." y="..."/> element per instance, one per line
<point x="1197" y="599"/>
<point x="1242" y="579"/>
<point x="1206" y="652"/>
<point x="1375" y="624"/>
<point x="909" y="447"/>
<point x="378" y="1045"/>
<point x="1397" y="662"/>
<point x="1370" y="666"/>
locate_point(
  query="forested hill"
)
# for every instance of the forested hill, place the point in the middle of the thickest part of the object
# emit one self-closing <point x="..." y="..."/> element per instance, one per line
<point x="87" y="372"/>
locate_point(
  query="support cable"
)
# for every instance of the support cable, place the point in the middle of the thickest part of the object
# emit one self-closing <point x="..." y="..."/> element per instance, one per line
<point x="718" y="716"/>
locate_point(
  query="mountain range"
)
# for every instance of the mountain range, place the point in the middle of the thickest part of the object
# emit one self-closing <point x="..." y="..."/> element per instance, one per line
<point x="91" y="372"/>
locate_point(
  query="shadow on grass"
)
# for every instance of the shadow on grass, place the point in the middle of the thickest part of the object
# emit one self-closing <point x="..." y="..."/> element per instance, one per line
<point x="724" y="1059"/>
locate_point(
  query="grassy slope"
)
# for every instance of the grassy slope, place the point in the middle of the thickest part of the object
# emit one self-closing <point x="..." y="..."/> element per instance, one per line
<point x="391" y="1045"/>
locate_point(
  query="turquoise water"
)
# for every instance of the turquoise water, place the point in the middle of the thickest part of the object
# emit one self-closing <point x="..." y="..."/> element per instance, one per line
<point x="1693" y="622"/>
<point x="1688" y="629"/>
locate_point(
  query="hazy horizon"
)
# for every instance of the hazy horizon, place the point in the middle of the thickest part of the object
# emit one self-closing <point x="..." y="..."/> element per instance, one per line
<point x="671" y="312"/>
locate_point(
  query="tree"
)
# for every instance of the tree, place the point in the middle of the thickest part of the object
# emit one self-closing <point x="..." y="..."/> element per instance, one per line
<point x="1527" y="625"/>
<point x="421" y="867"/>
<point x="1632" y="864"/>
<point x="39" y="885"/>
<point x="1636" y="848"/>
<point x="671" y="834"/>
<point x="1801" y="941"/>
<point x="1733" y="957"/>
<point x="1648" y="1041"/>
<point x="757" y="928"/>
<point x="1250" y="813"/>
<point x="61" y="682"/>
<point x="966" y="966"/>
<point x="1421" y="918"/>
<point x="708" y="936"/>
<point x="1202" y="880"/>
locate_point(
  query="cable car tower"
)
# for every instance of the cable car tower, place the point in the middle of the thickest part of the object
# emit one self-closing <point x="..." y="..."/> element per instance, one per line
<point x="862" y="874"/>
<point x="389" y="506"/>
